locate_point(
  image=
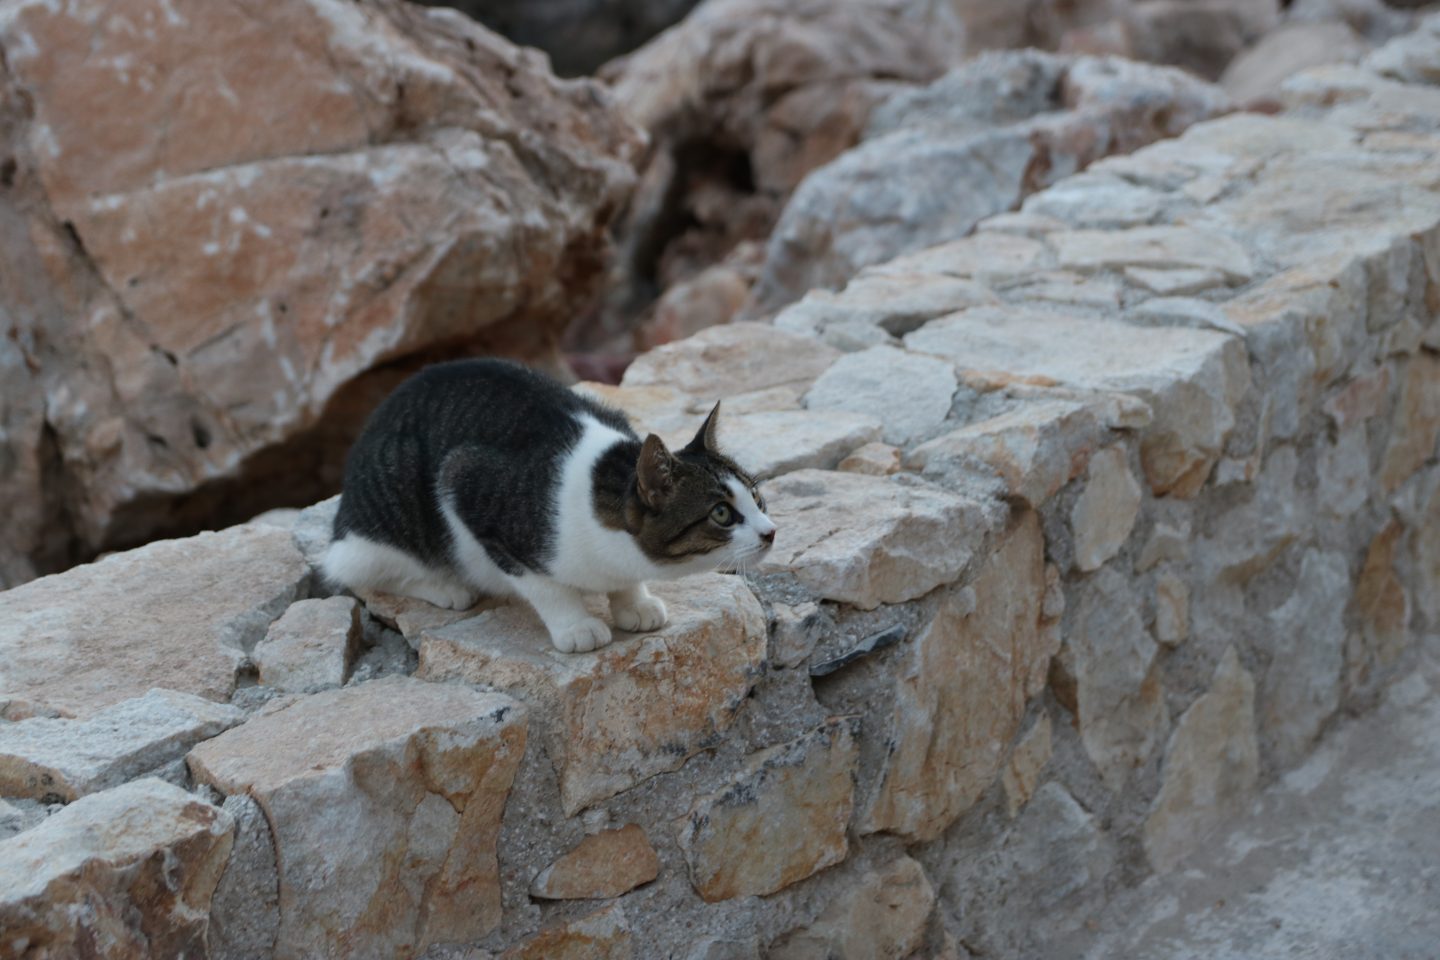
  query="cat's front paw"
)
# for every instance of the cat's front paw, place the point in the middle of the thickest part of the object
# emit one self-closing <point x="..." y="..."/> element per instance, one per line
<point x="444" y="595"/>
<point x="639" y="616"/>
<point x="582" y="636"/>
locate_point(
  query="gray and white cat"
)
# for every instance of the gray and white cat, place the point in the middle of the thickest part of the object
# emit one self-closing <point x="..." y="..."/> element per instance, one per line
<point x="481" y="476"/>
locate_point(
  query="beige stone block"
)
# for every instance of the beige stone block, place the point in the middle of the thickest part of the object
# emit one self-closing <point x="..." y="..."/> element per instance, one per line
<point x="52" y="759"/>
<point x="962" y="690"/>
<point x="867" y="540"/>
<point x="602" y="935"/>
<point x="603" y="865"/>
<point x="781" y="819"/>
<point x="312" y="646"/>
<point x="1027" y="762"/>
<point x="881" y="917"/>
<point x="1417" y="422"/>
<point x="125" y="873"/>
<point x="1172" y="609"/>
<point x="177" y="614"/>
<point x="1105" y="512"/>
<point x="872" y="459"/>
<point x="641" y="706"/>
<point x="384" y="799"/>
<point x="732" y="358"/>
<point x="1211" y="766"/>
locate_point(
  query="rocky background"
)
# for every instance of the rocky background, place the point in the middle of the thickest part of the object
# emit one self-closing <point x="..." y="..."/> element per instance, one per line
<point x="1098" y="403"/>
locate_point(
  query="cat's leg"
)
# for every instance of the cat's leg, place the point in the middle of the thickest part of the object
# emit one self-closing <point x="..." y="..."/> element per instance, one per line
<point x="358" y="563"/>
<point x="635" y="609"/>
<point x="562" y="610"/>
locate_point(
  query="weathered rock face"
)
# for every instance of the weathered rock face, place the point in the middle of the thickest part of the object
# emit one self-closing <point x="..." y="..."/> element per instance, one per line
<point x="192" y="307"/>
<point x="61" y="760"/>
<point x="972" y="144"/>
<point x="385" y="800"/>
<point x="742" y="100"/>
<point x="579" y="35"/>
<point x="311" y="646"/>
<point x="128" y="872"/>
<point x="178" y="614"/>
<point x="603" y="865"/>
<point x="883" y="916"/>
<point x="783" y="818"/>
<point x="1210" y="766"/>
<point x="631" y="710"/>
<point x="962" y="693"/>
<point x="603" y="935"/>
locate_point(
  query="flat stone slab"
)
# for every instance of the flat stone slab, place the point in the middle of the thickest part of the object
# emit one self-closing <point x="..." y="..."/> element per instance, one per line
<point x="312" y="646"/>
<point x="639" y="707"/>
<point x="867" y="540"/>
<point x="1193" y="380"/>
<point x="126" y="873"/>
<point x="910" y="393"/>
<point x="384" y="799"/>
<point x="769" y="443"/>
<point x="61" y="760"/>
<point x="603" y="865"/>
<point x="732" y="358"/>
<point x="781" y="819"/>
<point x="177" y="614"/>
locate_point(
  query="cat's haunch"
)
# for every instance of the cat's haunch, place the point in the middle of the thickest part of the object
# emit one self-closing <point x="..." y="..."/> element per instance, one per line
<point x="484" y="477"/>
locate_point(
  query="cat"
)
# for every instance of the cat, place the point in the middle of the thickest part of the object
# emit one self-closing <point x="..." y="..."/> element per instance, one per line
<point x="486" y="477"/>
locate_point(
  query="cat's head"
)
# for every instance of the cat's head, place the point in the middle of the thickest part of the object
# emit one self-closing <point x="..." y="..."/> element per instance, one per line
<point x="696" y="508"/>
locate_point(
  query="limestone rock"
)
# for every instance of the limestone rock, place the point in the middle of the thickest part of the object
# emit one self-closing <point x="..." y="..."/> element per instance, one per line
<point x="603" y="865"/>
<point x="872" y="459"/>
<point x="1036" y="448"/>
<point x="1105" y="512"/>
<point x="730" y="359"/>
<point x="796" y="630"/>
<point x="1381" y="605"/>
<point x="629" y="711"/>
<point x="882" y="917"/>
<point x="1201" y="37"/>
<point x="1161" y="248"/>
<point x="178" y="614"/>
<point x="1045" y="876"/>
<point x="245" y="911"/>
<point x="974" y="143"/>
<point x="887" y="302"/>
<point x="312" y="646"/>
<point x="1301" y="688"/>
<point x="385" y="180"/>
<point x="1175" y="282"/>
<point x="781" y="819"/>
<point x="62" y="760"/>
<point x="603" y="935"/>
<point x="1211" y="766"/>
<point x="1172" y="610"/>
<point x="1293" y="47"/>
<point x="412" y="617"/>
<point x="910" y="393"/>
<point x="773" y="442"/>
<point x="128" y="872"/>
<point x="1193" y="380"/>
<point x="385" y="801"/>
<point x="1119" y="696"/>
<point x="1417" y="422"/>
<point x="962" y="691"/>
<point x="871" y="540"/>
<point x="1027" y="761"/>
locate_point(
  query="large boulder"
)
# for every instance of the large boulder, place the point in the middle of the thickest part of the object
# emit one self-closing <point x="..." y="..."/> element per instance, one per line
<point x="742" y="99"/>
<point x="936" y="161"/>
<point x="215" y="227"/>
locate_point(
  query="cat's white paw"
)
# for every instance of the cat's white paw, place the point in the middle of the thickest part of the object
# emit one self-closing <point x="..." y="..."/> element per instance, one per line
<point x="582" y="636"/>
<point x="647" y="613"/>
<point x="444" y="595"/>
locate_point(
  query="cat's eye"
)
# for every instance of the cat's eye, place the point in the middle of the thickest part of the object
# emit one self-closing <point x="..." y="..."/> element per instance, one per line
<point x="722" y="514"/>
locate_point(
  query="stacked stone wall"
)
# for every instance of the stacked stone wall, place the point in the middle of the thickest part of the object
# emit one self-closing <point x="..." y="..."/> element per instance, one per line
<point x="1090" y="524"/>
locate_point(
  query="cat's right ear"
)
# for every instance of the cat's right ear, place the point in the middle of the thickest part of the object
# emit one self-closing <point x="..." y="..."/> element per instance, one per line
<point x="654" y="473"/>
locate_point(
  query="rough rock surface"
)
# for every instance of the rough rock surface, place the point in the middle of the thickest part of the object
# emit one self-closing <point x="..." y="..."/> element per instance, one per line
<point x="1211" y="766"/>
<point x="783" y="818"/>
<point x="972" y="144"/>
<point x="127" y="872"/>
<point x="386" y="182"/>
<point x="312" y="646"/>
<point x="961" y="692"/>
<point x="179" y="614"/>
<point x="868" y="540"/>
<point x="385" y="800"/>
<point x="59" y="760"/>
<point x="603" y="865"/>
<point x="882" y="916"/>
<point x="639" y="707"/>
<point x="602" y="935"/>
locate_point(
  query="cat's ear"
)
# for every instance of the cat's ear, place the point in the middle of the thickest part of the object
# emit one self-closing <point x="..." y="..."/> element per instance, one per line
<point x="654" y="473"/>
<point x="707" y="439"/>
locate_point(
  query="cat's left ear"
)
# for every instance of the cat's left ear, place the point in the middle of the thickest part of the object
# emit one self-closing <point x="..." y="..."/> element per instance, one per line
<point x="707" y="440"/>
<point x="654" y="476"/>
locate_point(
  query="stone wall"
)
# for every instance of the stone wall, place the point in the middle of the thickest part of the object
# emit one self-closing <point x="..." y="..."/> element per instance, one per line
<point x="1090" y="523"/>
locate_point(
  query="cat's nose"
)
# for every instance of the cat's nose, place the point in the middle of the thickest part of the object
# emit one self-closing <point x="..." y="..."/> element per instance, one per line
<point x="768" y="536"/>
